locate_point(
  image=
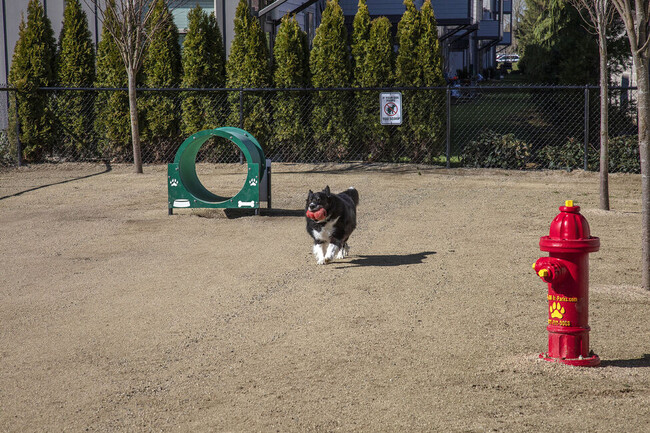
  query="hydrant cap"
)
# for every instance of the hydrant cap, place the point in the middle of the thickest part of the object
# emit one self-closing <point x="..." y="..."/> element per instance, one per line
<point x="569" y="224"/>
<point x="569" y="230"/>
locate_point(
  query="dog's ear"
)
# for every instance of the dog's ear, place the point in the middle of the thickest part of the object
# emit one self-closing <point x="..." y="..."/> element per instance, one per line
<point x="310" y="193"/>
<point x="327" y="190"/>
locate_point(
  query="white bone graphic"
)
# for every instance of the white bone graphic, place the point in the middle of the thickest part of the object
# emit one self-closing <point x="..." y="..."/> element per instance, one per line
<point x="246" y="203"/>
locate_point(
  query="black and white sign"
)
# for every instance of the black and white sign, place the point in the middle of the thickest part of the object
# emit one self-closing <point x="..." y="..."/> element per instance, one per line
<point x="390" y="105"/>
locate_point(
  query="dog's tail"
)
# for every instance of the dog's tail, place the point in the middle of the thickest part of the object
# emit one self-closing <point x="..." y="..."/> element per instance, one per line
<point x="354" y="195"/>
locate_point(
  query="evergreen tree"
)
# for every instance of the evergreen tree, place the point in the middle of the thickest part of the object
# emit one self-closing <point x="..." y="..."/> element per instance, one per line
<point x="419" y="63"/>
<point x="376" y="71"/>
<point x="248" y="66"/>
<point x="330" y="67"/>
<point x="379" y="58"/>
<point x="76" y="68"/>
<point x="429" y="105"/>
<point x="428" y="50"/>
<point x="358" y="49"/>
<point x="291" y="71"/>
<point x="408" y="34"/>
<point x="162" y="68"/>
<point x="407" y="72"/>
<point x="112" y="115"/>
<point x="291" y="55"/>
<point x="218" y="47"/>
<point x="33" y="67"/>
<point x="203" y="60"/>
<point x="360" y="36"/>
<point x="549" y="30"/>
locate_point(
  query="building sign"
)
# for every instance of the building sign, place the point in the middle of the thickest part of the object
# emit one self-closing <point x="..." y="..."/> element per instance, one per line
<point x="390" y="105"/>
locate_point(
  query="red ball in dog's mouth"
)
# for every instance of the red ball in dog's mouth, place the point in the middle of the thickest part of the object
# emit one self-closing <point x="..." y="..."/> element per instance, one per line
<point x="319" y="215"/>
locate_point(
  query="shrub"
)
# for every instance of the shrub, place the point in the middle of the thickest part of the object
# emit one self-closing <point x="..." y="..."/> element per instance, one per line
<point x="162" y="68"/>
<point x="248" y="66"/>
<point x="75" y="62"/>
<point x="623" y="155"/>
<point x="408" y="34"/>
<point x="376" y="71"/>
<point x="359" y="50"/>
<point x="428" y="107"/>
<point x="567" y="156"/>
<point x="203" y="66"/>
<point x="419" y="63"/>
<point x="112" y="115"/>
<point x="330" y="67"/>
<point x="33" y="67"/>
<point x="360" y="39"/>
<point x="291" y="70"/>
<point x="493" y="150"/>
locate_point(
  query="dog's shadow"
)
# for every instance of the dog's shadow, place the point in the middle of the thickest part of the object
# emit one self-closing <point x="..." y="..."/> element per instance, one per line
<point x="387" y="260"/>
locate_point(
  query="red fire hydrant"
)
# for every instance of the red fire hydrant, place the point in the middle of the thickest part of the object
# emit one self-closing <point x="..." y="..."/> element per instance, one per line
<point x="566" y="271"/>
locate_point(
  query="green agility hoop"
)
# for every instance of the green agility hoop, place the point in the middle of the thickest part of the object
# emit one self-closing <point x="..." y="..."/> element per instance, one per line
<point x="185" y="190"/>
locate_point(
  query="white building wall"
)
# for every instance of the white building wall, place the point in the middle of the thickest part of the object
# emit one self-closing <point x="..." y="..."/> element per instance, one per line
<point x="10" y="17"/>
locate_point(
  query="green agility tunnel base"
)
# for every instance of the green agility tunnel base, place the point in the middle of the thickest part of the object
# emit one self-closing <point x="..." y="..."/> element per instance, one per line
<point x="184" y="189"/>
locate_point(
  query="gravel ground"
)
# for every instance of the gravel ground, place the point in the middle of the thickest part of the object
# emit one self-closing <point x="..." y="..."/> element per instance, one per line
<point x="118" y="317"/>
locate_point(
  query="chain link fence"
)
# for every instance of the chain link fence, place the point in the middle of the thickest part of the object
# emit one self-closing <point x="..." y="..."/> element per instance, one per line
<point x="523" y="127"/>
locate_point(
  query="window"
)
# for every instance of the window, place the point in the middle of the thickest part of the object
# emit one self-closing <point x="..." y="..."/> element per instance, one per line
<point x="180" y="9"/>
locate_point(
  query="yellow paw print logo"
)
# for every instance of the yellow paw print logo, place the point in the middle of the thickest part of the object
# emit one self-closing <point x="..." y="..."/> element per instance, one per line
<point x="556" y="310"/>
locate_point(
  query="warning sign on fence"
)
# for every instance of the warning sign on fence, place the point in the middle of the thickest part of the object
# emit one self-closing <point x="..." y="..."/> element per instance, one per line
<point x="390" y="105"/>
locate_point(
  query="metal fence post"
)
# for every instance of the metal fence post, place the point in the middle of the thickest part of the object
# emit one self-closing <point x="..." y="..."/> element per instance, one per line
<point x="586" y="125"/>
<point x="241" y="120"/>
<point x="19" y="146"/>
<point x="448" y="138"/>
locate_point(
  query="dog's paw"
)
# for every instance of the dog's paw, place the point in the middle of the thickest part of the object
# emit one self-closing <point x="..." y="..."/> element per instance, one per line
<point x="343" y="252"/>
<point x="322" y="261"/>
<point x="332" y="252"/>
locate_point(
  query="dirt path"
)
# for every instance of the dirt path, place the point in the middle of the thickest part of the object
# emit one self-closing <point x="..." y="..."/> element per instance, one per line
<point x="118" y="317"/>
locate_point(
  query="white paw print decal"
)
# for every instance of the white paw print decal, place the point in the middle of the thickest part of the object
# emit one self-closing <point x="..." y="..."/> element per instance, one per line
<point x="253" y="182"/>
<point x="173" y="182"/>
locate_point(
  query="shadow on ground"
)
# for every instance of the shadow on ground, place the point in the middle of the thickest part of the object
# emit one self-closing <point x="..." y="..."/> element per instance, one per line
<point x="108" y="168"/>
<point x="239" y="213"/>
<point x="644" y="361"/>
<point x="387" y="260"/>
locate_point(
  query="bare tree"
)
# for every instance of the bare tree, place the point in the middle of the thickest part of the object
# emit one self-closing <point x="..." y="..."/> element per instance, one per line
<point x="598" y="14"/>
<point x="636" y="15"/>
<point x="130" y="24"/>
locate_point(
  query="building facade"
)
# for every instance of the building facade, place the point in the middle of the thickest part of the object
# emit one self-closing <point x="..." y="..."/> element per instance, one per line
<point x="307" y="12"/>
<point x="471" y="32"/>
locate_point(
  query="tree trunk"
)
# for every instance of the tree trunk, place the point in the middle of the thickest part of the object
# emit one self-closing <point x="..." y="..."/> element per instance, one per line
<point x="604" y="124"/>
<point x="135" y="128"/>
<point x="641" y="66"/>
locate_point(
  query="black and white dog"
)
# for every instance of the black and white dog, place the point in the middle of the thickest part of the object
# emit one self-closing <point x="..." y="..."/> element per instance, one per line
<point x="331" y="219"/>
